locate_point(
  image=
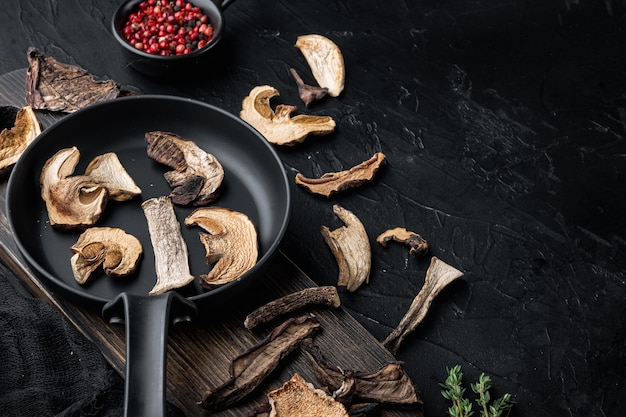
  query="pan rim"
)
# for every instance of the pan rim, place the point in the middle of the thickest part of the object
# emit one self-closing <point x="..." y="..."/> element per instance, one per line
<point x="85" y="294"/>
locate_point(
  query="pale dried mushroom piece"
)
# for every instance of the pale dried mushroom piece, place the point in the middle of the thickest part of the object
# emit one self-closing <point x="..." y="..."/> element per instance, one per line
<point x="252" y="367"/>
<point x="231" y="243"/>
<point x="298" y="398"/>
<point x="438" y="276"/>
<point x="351" y="248"/>
<point x="326" y="61"/>
<point x="72" y="201"/>
<point x="19" y="127"/>
<point x="108" y="171"/>
<point x="117" y="251"/>
<point x="334" y="182"/>
<point x="196" y="175"/>
<point x="278" y="127"/>
<point x="289" y="303"/>
<point x="416" y="243"/>
<point x="55" y="86"/>
<point x="171" y="257"/>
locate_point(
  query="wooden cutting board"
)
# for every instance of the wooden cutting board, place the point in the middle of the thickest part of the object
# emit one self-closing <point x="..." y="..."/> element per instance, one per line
<point x="199" y="353"/>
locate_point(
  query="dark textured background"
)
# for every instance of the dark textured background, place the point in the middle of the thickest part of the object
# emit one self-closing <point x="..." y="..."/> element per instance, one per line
<point x="503" y="123"/>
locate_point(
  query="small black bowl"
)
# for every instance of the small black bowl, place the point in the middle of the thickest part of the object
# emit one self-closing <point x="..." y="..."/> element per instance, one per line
<point x="161" y="66"/>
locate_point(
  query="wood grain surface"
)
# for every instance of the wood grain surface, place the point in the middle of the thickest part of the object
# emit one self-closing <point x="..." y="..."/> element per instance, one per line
<point x="199" y="353"/>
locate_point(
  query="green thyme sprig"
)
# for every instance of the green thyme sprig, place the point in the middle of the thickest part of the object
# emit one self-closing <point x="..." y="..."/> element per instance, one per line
<point x="452" y="390"/>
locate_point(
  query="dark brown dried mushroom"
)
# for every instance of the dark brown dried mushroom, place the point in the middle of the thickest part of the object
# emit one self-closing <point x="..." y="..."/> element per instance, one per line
<point x="249" y="369"/>
<point x="231" y="243"/>
<point x="196" y="176"/>
<point x="438" y="276"/>
<point x="298" y="398"/>
<point x="289" y="303"/>
<point x="351" y="248"/>
<point x="417" y="244"/>
<point x="388" y="385"/>
<point x="279" y="127"/>
<point x="117" y="251"/>
<point x="72" y="201"/>
<point x="308" y="93"/>
<point x="55" y="86"/>
<point x="335" y="182"/>
<point x="171" y="257"/>
<point x="18" y="128"/>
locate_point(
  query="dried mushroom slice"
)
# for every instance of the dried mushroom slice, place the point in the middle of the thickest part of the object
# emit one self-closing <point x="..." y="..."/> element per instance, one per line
<point x="171" y="257"/>
<point x="72" y="202"/>
<point x="196" y="175"/>
<point x="417" y="244"/>
<point x="298" y="398"/>
<point x="117" y="251"/>
<point x="55" y="86"/>
<point x="279" y="127"/>
<point x="107" y="170"/>
<point x="351" y="248"/>
<point x="335" y="182"/>
<point x="308" y="93"/>
<point x="231" y="243"/>
<point x="18" y="129"/>
<point x="326" y="62"/>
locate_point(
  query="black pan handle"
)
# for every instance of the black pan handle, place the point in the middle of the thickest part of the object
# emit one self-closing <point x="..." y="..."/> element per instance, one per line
<point x="223" y="4"/>
<point x="147" y="320"/>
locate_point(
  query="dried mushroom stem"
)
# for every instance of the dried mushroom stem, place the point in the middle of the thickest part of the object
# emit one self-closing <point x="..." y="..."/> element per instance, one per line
<point x="308" y="93"/>
<point x="289" y="303"/>
<point x="389" y="385"/>
<point x="335" y="182"/>
<point x="249" y="369"/>
<point x="351" y="248"/>
<point x="171" y="257"/>
<point x="417" y="244"/>
<point x="438" y="276"/>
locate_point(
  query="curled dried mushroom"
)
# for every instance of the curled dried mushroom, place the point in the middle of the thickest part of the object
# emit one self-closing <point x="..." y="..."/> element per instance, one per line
<point x="279" y="127"/>
<point x="351" y="248"/>
<point x="335" y="182"/>
<point x="231" y="243"/>
<point x="55" y="86"/>
<point x="326" y="61"/>
<point x="196" y="175"/>
<point x="117" y="251"/>
<point x="18" y="128"/>
<point x="298" y="398"/>
<point x="417" y="244"/>
<point x="108" y="171"/>
<point x="171" y="257"/>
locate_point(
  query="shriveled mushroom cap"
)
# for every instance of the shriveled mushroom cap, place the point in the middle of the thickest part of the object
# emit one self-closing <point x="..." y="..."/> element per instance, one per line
<point x="326" y="61"/>
<point x="13" y="140"/>
<point x="297" y="398"/>
<point x="107" y="170"/>
<point x="117" y="251"/>
<point x="231" y="242"/>
<point x="279" y="127"/>
<point x="73" y="202"/>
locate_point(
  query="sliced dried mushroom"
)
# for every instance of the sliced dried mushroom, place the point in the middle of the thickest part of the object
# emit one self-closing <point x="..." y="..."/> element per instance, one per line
<point x="231" y="243"/>
<point x="55" y="86"/>
<point x="279" y="127"/>
<point x="335" y="182"/>
<point x="249" y="369"/>
<point x="326" y="62"/>
<point x="308" y="93"/>
<point x="19" y="127"/>
<point x="438" y="276"/>
<point x="108" y="171"/>
<point x="298" y="398"/>
<point x="171" y="257"/>
<point x="196" y="175"/>
<point x="72" y="201"/>
<point x="389" y="385"/>
<point x="417" y="244"/>
<point x="117" y="251"/>
<point x="289" y="303"/>
<point x="351" y="248"/>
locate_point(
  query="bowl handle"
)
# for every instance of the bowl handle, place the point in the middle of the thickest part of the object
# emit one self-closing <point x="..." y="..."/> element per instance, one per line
<point x="147" y="319"/>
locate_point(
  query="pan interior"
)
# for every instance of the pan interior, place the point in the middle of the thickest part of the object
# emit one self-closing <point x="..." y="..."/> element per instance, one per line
<point x="255" y="184"/>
